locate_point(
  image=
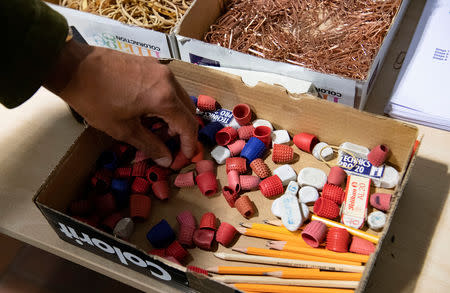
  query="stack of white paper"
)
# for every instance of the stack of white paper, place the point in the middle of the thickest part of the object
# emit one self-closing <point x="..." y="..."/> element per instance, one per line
<point x="422" y="91"/>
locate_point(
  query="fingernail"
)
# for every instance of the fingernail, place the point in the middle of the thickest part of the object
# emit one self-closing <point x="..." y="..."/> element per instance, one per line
<point x="164" y="162"/>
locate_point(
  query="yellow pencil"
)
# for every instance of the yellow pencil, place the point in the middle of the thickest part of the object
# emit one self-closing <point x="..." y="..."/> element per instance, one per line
<point x="291" y="273"/>
<point x="292" y="247"/>
<point x="257" y="271"/>
<point x="271" y="228"/>
<point x="286" y="289"/>
<point x="290" y="255"/>
<point x="271" y="235"/>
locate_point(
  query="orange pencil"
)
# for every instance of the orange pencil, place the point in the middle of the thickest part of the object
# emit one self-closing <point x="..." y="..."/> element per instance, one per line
<point x="290" y="255"/>
<point x="271" y="228"/>
<point x="294" y="248"/>
<point x="271" y="236"/>
<point x="286" y="289"/>
<point x="291" y="273"/>
<point x="256" y="271"/>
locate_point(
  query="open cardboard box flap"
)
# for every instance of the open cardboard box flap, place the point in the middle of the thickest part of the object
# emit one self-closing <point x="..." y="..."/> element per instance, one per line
<point x="332" y="123"/>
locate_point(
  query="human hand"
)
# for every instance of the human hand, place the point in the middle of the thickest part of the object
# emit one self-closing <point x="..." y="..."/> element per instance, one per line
<point x="113" y="91"/>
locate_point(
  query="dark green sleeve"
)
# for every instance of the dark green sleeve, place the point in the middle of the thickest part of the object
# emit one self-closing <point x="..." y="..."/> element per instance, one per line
<point x="32" y="35"/>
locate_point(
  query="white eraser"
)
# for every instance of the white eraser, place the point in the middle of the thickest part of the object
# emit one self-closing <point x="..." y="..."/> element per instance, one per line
<point x="262" y="122"/>
<point x="286" y="174"/>
<point x="389" y="179"/>
<point x="220" y="154"/>
<point x="312" y="177"/>
<point x="276" y="209"/>
<point x="280" y="137"/>
<point x="308" y="194"/>
<point x="327" y="151"/>
<point x="292" y="188"/>
<point x="124" y="228"/>
<point x="376" y="220"/>
<point x="357" y="150"/>
<point x="304" y="210"/>
<point x="233" y="123"/>
<point x="290" y="212"/>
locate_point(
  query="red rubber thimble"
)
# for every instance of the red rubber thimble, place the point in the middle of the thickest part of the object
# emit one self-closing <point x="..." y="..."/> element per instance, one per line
<point x="249" y="182"/>
<point x="207" y="183"/>
<point x="206" y="103"/>
<point x="199" y="154"/>
<point x="102" y="179"/>
<point x="105" y="204"/>
<point x="271" y="186"/>
<point x="140" y="206"/>
<point x="161" y="189"/>
<point x="140" y="156"/>
<point x="185" y="180"/>
<point x="110" y="222"/>
<point x="204" y="166"/>
<point x="242" y="113"/>
<point x="381" y="201"/>
<point x="336" y="176"/>
<point x="140" y="185"/>
<point x="158" y="251"/>
<point x="176" y="250"/>
<point x="236" y="163"/>
<point x="139" y="169"/>
<point x="233" y="181"/>
<point x="282" y="153"/>
<point x="361" y="246"/>
<point x="326" y="208"/>
<point x="197" y="270"/>
<point x="378" y="155"/>
<point x="264" y="134"/>
<point x="305" y="141"/>
<point x="208" y="221"/>
<point x="236" y="147"/>
<point x="230" y="195"/>
<point x="245" y="132"/>
<point x="338" y="239"/>
<point x="333" y="192"/>
<point x="226" y="135"/>
<point x="314" y="233"/>
<point x="186" y="218"/>
<point x="172" y="259"/>
<point x="185" y="235"/>
<point x="260" y="168"/>
<point x="157" y="173"/>
<point x="179" y="161"/>
<point x="225" y="234"/>
<point x="203" y="238"/>
<point x="80" y="207"/>
<point x="245" y="206"/>
<point x="123" y="172"/>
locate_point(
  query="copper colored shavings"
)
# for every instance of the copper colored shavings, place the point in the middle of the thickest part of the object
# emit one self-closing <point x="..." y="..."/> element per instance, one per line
<point x="331" y="36"/>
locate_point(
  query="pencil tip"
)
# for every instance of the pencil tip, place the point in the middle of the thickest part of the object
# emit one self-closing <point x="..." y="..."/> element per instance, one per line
<point x="241" y="230"/>
<point x="275" y="274"/>
<point x="246" y="225"/>
<point x="239" y="249"/>
<point x="213" y="269"/>
<point x="219" y="254"/>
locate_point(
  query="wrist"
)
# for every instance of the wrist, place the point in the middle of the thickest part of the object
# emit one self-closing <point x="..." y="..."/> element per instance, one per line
<point x="70" y="57"/>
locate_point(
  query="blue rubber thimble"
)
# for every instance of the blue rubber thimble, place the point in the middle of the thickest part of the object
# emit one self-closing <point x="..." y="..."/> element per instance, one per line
<point x="194" y="100"/>
<point x="120" y="188"/>
<point x="108" y="160"/>
<point x="207" y="135"/>
<point x="161" y="235"/>
<point x="253" y="149"/>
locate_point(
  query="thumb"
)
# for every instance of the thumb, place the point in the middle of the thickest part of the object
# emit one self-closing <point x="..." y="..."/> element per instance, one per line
<point x="150" y="144"/>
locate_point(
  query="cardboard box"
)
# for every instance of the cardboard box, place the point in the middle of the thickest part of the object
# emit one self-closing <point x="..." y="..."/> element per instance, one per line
<point x="105" y="32"/>
<point x="332" y="123"/>
<point x="195" y="23"/>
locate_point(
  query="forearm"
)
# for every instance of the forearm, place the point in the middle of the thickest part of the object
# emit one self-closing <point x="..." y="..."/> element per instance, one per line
<point x="35" y="35"/>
